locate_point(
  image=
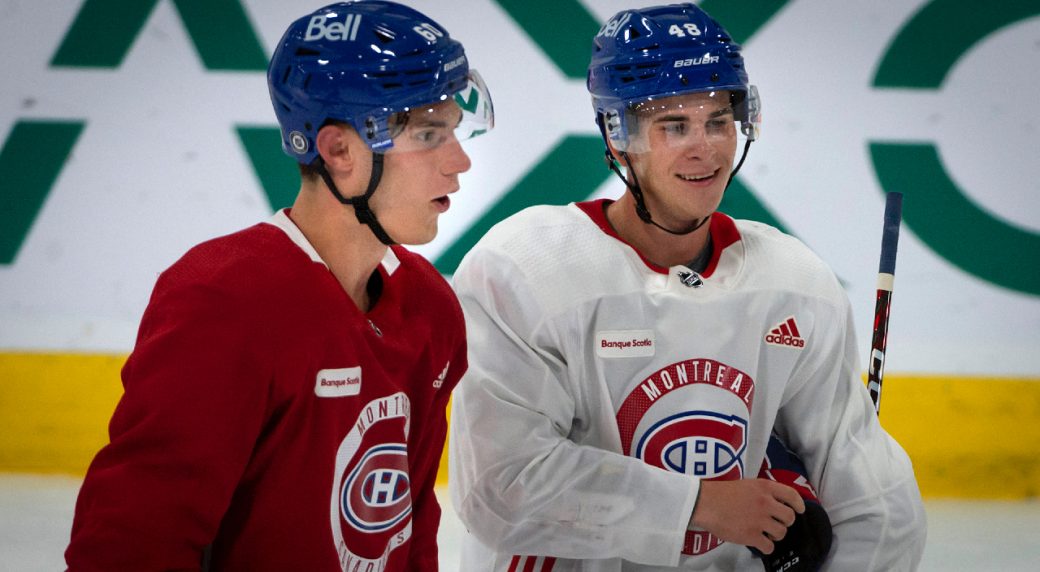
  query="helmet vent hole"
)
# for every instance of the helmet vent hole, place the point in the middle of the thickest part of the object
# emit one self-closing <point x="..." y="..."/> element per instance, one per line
<point x="307" y="81"/>
<point x="307" y="53"/>
<point x="632" y="33"/>
<point x="285" y="76"/>
<point x="385" y="36"/>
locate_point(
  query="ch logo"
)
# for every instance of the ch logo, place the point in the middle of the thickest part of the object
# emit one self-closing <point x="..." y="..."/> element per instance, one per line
<point x="703" y="444"/>
<point x="376" y="495"/>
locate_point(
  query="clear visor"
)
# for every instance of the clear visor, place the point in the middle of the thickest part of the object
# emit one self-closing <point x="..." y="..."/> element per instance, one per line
<point x="455" y="118"/>
<point x="704" y="118"/>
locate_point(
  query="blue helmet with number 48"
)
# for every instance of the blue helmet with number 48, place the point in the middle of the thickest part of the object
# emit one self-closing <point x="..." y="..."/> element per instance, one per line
<point x="651" y="53"/>
<point x="362" y="62"/>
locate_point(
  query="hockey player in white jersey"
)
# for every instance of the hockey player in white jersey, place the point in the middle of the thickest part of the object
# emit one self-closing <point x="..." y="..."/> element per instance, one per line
<point x="631" y="359"/>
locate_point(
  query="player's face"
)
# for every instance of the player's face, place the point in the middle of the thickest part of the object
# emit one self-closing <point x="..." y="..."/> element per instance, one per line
<point x="683" y="155"/>
<point x="419" y="173"/>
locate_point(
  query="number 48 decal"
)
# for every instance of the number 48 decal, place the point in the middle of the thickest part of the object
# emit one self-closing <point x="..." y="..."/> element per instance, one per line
<point x="687" y="28"/>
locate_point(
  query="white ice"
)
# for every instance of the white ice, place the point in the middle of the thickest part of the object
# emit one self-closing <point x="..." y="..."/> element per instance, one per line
<point x="963" y="536"/>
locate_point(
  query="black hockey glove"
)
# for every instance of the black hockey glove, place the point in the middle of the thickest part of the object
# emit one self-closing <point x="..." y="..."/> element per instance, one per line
<point x="808" y="539"/>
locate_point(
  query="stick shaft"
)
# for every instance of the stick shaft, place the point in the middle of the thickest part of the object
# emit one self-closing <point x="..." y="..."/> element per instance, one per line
<point x="883" y="303"/>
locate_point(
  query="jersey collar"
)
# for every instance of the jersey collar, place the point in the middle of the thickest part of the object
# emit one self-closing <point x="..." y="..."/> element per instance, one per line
<point x="281" y="220"/>
<point x="722" y="228"/>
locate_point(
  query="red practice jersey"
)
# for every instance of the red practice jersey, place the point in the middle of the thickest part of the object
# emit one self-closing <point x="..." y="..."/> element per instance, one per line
<point x="269" y="424"/>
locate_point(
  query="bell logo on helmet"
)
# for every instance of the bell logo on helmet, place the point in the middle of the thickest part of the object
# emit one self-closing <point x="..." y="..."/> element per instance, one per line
<point x="611" y="28"/>
<point x="317" y="29"/>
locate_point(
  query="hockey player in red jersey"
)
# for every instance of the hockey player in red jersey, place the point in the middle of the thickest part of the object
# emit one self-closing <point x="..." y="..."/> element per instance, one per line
<point x="284" y="405"/>
<point x="636" y="365"/>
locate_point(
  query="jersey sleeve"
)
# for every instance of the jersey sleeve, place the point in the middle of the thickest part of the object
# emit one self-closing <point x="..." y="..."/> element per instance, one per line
<point x="195" y="392"/>
<point x="518" y="482"/>
<point x="865" y="479"/>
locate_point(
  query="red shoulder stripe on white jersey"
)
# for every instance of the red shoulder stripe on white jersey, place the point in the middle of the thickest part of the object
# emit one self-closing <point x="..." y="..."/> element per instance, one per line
<point x="531" y="563"/>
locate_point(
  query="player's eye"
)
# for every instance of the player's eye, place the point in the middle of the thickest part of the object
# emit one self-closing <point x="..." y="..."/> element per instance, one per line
<point x="718" y="125"/>
<point x="430" y="137"/>
<point x="675" y="128"/>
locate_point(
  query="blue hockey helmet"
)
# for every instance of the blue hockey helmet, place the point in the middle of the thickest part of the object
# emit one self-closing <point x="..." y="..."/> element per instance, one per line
<point x="648" y="54"/>
<point x="361" y="62"/>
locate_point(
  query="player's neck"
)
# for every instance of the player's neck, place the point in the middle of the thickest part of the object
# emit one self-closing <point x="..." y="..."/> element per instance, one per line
<point x="349" y="248"/>
<point x="656" y="245"/>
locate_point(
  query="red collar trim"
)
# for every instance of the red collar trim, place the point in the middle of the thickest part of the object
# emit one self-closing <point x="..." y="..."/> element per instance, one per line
<point x="722" y="228"/>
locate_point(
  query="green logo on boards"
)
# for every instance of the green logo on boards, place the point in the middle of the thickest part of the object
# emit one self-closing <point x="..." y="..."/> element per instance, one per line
<point x="919" y="58"/>
<point x="219" y="30"/>
<point x="938" y="212"/>
<point x="35" y="151"/>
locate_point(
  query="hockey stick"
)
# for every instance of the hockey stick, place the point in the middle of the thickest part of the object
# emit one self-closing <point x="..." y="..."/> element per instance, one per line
<point x="886" y="277"/>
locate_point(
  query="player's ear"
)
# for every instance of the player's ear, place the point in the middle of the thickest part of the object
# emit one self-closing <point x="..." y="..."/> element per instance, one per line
<point x="338" y="145"/>
<point x="614" y="155"/>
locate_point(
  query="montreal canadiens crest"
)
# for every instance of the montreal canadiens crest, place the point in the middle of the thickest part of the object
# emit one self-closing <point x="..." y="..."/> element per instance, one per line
<point x="376" y="495"/>
<point x="704" y="444"/>
<point x="371" y="501"/>
<point x="690" y="417"/>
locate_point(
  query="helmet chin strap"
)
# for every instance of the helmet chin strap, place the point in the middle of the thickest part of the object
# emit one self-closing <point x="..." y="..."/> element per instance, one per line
<point x="637" y="191"/>
<point x="360" y="203"/>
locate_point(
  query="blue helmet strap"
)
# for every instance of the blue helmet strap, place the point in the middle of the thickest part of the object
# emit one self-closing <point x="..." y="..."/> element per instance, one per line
<point x="637" y="191"/>
<point x="362" y="211"/>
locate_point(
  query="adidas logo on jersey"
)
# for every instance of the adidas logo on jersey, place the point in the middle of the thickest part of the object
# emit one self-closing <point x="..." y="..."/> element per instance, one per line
<point x="439" y="380"/>
<point x="785" y="334"/>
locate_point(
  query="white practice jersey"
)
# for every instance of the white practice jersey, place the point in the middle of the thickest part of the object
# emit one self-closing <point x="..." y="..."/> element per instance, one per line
<point x="603" y="389"/>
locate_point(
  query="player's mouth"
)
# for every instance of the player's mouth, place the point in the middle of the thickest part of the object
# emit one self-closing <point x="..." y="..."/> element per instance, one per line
<point x="698" y="179"/>
<point x="442" y="203"/>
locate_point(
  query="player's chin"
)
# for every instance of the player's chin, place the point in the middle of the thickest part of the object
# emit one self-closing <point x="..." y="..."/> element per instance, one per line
<point x="424" y="234"/>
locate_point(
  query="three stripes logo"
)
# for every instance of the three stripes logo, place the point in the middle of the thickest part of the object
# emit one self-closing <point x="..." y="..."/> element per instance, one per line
<point x="786" y="334"/>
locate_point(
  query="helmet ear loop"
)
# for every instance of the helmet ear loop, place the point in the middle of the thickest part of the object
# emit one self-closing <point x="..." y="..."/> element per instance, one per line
<point x="633" y="185"/>
<point x="637" y="191"/>
<point x="362" y="210"/>
<point x="733" y="173"/>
